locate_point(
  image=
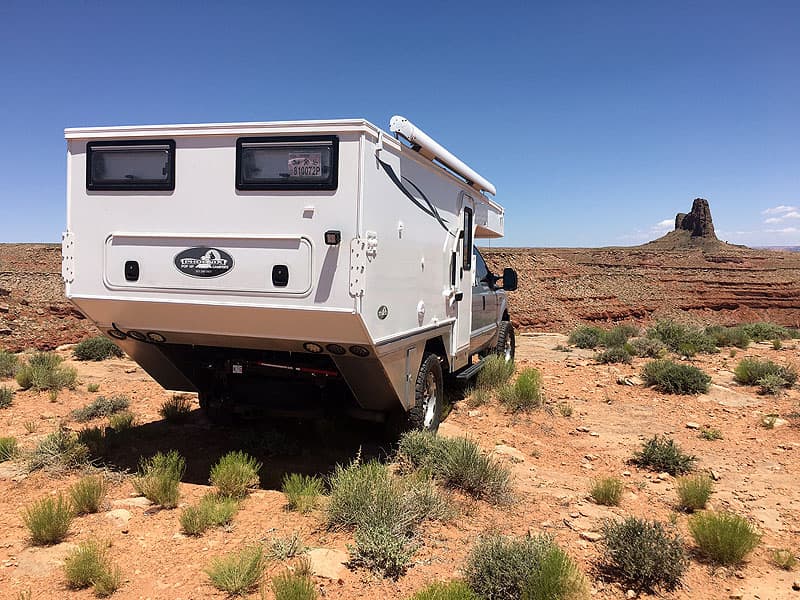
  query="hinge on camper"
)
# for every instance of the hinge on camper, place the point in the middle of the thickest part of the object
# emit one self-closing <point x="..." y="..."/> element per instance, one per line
<point x="372" y="244"/>
<point x="67" y="257"/>
<point x="358" y="266"/>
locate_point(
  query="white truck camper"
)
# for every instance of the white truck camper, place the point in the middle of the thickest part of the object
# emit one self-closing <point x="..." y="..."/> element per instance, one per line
<point x="293" y="268"/>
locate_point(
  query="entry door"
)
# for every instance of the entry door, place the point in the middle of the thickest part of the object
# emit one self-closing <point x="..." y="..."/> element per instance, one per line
<point x="462" y="276"/>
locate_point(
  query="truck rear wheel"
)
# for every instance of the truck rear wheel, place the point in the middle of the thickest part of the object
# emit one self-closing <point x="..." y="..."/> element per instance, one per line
<point x="506" y="343"/>
<point x="429" y="395"/>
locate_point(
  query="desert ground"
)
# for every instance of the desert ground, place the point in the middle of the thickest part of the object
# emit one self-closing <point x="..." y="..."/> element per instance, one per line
<point x="553" y="458"/>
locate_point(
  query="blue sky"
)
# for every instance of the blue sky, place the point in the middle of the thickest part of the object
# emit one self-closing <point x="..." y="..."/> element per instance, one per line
<point x="597" y="121"/>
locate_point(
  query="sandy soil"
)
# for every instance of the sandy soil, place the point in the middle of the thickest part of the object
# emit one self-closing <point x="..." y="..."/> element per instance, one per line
<point x="553" y="458"/>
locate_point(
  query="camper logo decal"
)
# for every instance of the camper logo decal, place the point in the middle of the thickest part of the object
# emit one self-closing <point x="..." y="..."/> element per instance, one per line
<point x="203" y="262"/>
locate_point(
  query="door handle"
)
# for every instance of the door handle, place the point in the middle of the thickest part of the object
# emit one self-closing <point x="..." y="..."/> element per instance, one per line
<point x="484" y="302"/>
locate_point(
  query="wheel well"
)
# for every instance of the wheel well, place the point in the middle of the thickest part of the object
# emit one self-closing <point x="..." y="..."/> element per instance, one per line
<point x="436" y="346"/>
<point x="505" y="316"/>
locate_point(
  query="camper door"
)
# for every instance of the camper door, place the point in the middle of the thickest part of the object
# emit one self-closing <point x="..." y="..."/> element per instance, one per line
<point x="463" y="271"/>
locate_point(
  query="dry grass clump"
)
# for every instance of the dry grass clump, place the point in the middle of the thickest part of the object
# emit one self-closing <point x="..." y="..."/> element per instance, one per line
<point x="159" y="478"/>
<point x="682" y="339"/>
<point x="694" y="491"/>
<point x="452" y="590"/>
<point x="607" y="491"/>
<point x="662" y="454"/>
<point x="101" y="407"/>
<point x="723" y="537"/>
<point x="87" y="494"/>
<point x="283" y="548"/>
<point x="235" y="474"/>
<point x="8" y="448"/>
<point x="710" y="433"/>
<point x="290" y="585"/>
<point x="647" y="347"/>
<point x="6" y="396"/>
<point x="48" y="520"/>
<point x="643" y="555"/>
<point x="239" y="572"/>
<point x="764" y="332"/>
<point x="8" y="364"/>
<point x="495" y="372"/>
<point x="302" y="491"/>
<point x="783" y="559"/>
<point x="122" y="421"/>
<point x="614" y="355"/>
<point x="44" y="371"/>
<point x="59" y="450"/>
<point x="211" y="511"/>
<point x="508" y="568"/>
<point x="525" y="393"/>
<point x="97" y="349"/>
<point x="176" y="409"/>
<point x="751" y="371"/>
<point x="88" y="565"/>
<point x="586" y="337"/>
<point x="670" y="377"/>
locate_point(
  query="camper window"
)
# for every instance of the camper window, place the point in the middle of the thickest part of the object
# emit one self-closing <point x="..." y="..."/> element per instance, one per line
<point x="467" y="239"/>
<point x="280" y="163"/>
<point x="130" y="165"/>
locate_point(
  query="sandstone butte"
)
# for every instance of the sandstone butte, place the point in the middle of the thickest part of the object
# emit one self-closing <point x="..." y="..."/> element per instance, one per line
<point x="687" y="273"/>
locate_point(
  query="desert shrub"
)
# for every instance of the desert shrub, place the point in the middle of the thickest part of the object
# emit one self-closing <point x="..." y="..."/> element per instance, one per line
<point x="101" y="407"/>
<point x="94" y="439"/>
<point x="783" y="559"/>
<point x="6" y="396"/>
<point x="729" y="336"/>
<point x="525" y="393"/>
<point x="618" y="336"/>
<point x="87" y="494"/>
<point x="452" y="590"/>
<point x="662" y="454"/>
<point x="382" y="549"/>
<point x="724" y="538"/>
<point x="771" y="384"/>
<point x="694" y="491"/>
<point x="96" y="348"/>
<point x="48" y="520"/>
<point x="750" y="370"/>
<point x="8" y="364"/>
<point x="586" y="336"/>
<point x="535" y="568"/>
<point x="643" y="554"/>
<point x="44" y="371"/>
<point x="647" y="347"/>
<point x="302" y="491"/>
<point x="495" y="372"/>
<point x="607" y="491"/>
<point x="710" y="434"/>
<point x="565" y="409"/>
<point x="762" y="332"/>
<point x="682" y="339"/>
<point x="292" y="586"/>
<point x="122" y="421"/>
<point x="615" y="354"/>
<point x="777" y="345"/>
<point x="8" y="448"/>
<point x="458" y="463"/>
<point x="59" y="450"/>
<point x="282" y="548"/>
<point x="159" y="478"/>
<point x="478" y="396"/>
<point x="670" y="377"/>
<point x="239" y="572"/>
<point x="235" y="474"/>
<point x="768" y="421"/>
<point x="176" y="409"/>
<point x="93" y="387"/>
<point x="212" y="510"/>
<point x="89" y="565"/>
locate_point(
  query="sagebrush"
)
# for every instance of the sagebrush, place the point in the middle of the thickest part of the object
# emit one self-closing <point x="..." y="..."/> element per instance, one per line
<point x="750" y="371"/>
<point x="6" y="396"/>
<point x="662" y="454"/>
<point x="670" y="377"/>
<point x="176" y="409"/>
<point x="44" y="371"/>
<point x="61" y="449"/>
<point x="8" y="364"/>
<point x="96" y="348"/>
<point x="101" y="407"/>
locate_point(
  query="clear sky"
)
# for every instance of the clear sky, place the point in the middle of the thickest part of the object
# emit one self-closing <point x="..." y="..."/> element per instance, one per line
<point x="597" y="121"/>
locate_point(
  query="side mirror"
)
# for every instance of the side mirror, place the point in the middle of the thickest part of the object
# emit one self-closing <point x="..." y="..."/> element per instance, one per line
<point x="509" y="279"/>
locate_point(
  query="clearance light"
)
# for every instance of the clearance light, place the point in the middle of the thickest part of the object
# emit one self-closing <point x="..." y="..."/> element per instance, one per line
<point x="359" y="351"/>
<point x="335" y="349"/>
<point x="333" y="237"/>
<point x="136" y="335"/>
<point x="312" y="347"/>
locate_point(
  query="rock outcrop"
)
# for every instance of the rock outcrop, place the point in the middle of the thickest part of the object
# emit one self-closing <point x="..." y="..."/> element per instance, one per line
<point x="698" y="221"/>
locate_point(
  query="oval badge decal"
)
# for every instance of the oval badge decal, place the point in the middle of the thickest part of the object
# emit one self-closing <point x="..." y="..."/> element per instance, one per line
<point x="204" y="262"/>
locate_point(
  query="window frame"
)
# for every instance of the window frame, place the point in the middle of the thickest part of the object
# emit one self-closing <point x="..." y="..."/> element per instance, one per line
<point x="467" y="240"/>
<point x="164" y="186"/>
<point x="331" y="184"/>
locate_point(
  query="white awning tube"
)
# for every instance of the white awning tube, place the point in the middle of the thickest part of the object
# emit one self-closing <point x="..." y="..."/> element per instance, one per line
<point x="433" y="150"/>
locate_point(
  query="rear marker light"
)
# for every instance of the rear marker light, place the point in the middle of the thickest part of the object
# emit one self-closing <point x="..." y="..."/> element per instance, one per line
<point x="359" y="351"/>
<point x="131" y="270"/>
<point x="335" y="349"/>
<point x="116" y="334"/>
<point x="137" y="335"/>
<point x="333" y="237"/>
<point x="312" y="347"/>
<point x="280" y="275"/>
<point x="156" y="338"/>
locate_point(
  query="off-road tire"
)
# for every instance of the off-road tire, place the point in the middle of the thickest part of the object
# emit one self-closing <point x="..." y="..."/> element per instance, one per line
<point x="428" y="387"/>
<point x="506" y="342"/>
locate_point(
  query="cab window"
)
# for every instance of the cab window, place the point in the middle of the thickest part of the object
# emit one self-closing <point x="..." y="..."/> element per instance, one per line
<point x="481" y="270"/>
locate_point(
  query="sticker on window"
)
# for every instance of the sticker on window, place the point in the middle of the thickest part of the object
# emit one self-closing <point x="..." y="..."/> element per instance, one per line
<point x="305" y="164"/>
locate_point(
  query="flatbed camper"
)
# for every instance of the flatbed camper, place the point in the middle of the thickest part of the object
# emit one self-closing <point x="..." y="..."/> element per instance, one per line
<point x="288" y="267"/>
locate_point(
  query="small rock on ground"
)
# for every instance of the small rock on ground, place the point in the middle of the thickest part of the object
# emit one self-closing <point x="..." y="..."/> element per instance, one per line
<point x="327" y="563"/>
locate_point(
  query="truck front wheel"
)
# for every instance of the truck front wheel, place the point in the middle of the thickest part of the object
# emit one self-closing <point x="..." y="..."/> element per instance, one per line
<point x="429" y="395"/>
<point x="506" y="344"/>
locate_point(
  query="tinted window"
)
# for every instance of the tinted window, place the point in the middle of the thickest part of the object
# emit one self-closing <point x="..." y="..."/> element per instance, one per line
<point x="481" y="270"/>
<point x="130" y="165"/>
<point x="467" y="239"/>
<point x="287" y="163"/>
